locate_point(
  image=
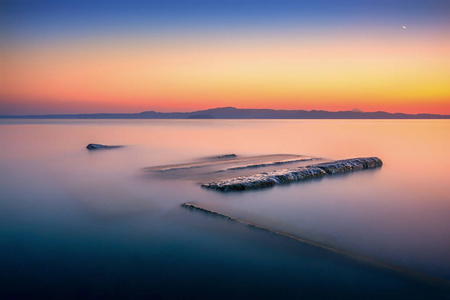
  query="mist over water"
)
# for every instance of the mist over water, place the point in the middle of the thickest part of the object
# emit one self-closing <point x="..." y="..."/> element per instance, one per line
<point x="85" y="223"/>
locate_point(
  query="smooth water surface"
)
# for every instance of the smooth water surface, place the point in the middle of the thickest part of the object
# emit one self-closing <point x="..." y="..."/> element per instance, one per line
<point x="95" y="224"/>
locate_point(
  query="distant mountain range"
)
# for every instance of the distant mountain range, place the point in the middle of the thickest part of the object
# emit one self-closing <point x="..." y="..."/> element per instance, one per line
<point x="239" y="113"/>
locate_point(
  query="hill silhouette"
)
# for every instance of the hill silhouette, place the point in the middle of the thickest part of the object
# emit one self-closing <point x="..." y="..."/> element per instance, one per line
<point x="240" y="113"/>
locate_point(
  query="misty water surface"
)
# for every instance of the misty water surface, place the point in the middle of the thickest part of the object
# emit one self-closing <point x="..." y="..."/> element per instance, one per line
<point x="95" y="223"/>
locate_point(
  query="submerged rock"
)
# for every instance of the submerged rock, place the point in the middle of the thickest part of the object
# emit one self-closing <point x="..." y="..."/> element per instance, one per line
<point x="297" y="174"/>
<point x="272" y="163"/>
<point x="227" y="155"/>
<point x="99" y="146"/>
<point x="239" y="162"/>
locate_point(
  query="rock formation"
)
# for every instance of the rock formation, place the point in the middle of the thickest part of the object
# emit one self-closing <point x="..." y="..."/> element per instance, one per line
<point x="99" y="146"/>
<point x="297" y="174"/>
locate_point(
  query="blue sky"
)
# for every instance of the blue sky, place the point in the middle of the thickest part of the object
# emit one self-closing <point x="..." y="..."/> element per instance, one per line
<point x="27" y="18"/>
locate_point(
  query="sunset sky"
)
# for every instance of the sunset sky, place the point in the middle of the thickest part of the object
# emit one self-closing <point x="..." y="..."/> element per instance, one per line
<point x="90" y="56"/>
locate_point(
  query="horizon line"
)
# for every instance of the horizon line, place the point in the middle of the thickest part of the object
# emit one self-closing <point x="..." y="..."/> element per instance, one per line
<point x="354" y="110"/>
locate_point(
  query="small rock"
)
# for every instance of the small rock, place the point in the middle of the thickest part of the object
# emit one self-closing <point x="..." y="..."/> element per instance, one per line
<point x="99" y="146"/>
<point x="227" y="155"/>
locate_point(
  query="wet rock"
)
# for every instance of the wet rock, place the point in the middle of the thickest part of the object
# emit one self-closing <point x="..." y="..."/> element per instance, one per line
<point x="347" y="165"/>
<point x="272" y="163"/>
<point x="99" y="146"/>
<point x="297" y="174"/>
<point x="227" y="155"/>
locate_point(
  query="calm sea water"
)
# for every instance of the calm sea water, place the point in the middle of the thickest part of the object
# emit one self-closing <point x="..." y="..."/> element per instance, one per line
<point x="81" y="224"/>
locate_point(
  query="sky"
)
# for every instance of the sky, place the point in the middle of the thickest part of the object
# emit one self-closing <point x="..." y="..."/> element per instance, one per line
<point x="90" y="56"/>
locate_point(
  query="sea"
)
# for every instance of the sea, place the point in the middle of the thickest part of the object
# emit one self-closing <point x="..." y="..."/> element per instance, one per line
<point x="80" y="224"/>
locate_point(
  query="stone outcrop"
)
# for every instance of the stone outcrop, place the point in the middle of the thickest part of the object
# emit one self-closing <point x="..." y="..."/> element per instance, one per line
<point x="273" y="163"/>
<point x="234" y="162"/>
<point x="227" y="155"/>
<point x="267" y="179"/>
<point x="99" y="146"/>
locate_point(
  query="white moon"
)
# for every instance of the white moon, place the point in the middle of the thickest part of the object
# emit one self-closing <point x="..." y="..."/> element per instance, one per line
<point x="404" y="27"/>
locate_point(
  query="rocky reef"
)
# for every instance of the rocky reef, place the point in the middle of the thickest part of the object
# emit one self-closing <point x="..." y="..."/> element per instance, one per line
<point x="347" y="165"/>
<point x="272" y="163"/>
<point x="227" y="155"/>
<point x="233" y="162"/>
<point x="200" y="208"/>
<point x="267" y="179"/>
<point x="99" y="146"/>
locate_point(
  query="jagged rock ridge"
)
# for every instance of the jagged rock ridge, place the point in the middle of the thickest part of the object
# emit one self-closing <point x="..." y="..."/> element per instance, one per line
<point x="262" y="180"/>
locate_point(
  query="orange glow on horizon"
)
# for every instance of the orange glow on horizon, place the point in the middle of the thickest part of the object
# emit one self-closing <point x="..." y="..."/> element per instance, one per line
<point x="131" y="75"/>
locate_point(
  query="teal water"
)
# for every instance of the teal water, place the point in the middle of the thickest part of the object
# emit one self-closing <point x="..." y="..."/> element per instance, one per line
<point x="81" y="224"/>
